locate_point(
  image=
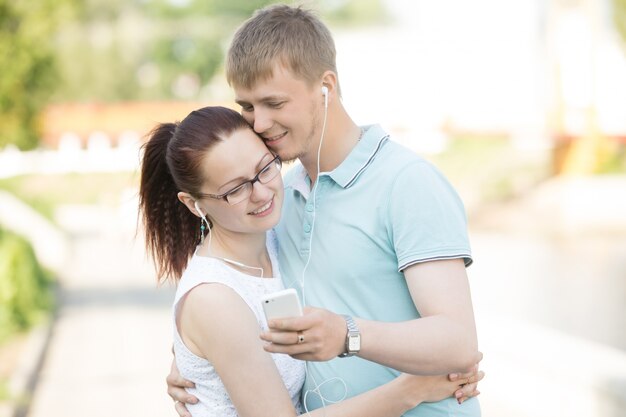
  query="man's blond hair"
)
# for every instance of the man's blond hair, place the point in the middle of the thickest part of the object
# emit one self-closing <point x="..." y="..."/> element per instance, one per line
<point x="290" y="36"/>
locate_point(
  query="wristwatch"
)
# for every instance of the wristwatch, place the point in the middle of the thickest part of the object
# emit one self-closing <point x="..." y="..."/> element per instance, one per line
<point x="353" y="338"/>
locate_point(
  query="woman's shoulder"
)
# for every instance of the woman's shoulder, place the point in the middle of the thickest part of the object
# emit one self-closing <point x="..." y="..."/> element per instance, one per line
<point x="204" y="270"/>
<point x="213" y="300"/>
<point x="213" y="296"/>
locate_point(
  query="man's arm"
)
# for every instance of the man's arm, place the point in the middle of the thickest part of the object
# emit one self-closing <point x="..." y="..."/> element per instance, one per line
<point x="429" y="390"/>
<point x="443" y="340"/>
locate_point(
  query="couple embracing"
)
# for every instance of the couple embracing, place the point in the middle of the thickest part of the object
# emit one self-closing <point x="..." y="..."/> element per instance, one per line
<point x="372" y="237"/>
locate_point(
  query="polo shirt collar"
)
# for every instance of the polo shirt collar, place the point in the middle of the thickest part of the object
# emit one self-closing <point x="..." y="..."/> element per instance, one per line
<point x="360" y="157"/>
<point x="349" y="170"/>
<point x="300" y="181"/>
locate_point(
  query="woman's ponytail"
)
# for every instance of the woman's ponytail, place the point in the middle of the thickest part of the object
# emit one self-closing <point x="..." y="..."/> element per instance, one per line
<point x="170" y="228"/>
<point x="172" y="161"/>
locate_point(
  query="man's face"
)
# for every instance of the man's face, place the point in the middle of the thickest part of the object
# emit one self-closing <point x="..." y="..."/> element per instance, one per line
<point x="285" y="111"/>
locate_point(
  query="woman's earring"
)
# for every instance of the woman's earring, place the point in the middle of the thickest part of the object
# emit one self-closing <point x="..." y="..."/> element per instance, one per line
<point x="204" y="225"/>
<point x="203" y="220"/>
<point x="202" y="228"/>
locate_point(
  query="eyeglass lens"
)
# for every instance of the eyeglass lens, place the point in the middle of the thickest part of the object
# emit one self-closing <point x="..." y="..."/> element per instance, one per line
<point x="264" y="176"/>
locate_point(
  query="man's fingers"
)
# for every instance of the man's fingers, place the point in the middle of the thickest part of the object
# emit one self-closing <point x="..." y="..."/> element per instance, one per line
<point x="462" y="377"/>
<point x="461" y="397"/>
<point x="281" y="338"/>
<point x="465" y="390"/>
<point x="470" y="378"/>
<point x="175" y="380"/>
<point x="292" y="324"/>
<point x="179" y="394"/>
<point x="476" y="377"/>
<point x="297" y="324"/>
<point x="182" y="410"/>
<point x="288" y="348"/>
<point x="469" y="389"/>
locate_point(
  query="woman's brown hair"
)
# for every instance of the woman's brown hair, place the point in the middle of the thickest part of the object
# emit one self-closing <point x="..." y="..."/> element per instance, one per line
<point x="171" y="162"/>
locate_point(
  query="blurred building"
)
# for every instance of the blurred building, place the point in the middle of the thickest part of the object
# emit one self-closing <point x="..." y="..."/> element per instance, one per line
<point x="107" y="124"/>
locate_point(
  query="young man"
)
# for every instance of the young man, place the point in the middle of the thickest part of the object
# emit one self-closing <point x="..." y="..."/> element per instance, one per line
<point x="368" y="230"/>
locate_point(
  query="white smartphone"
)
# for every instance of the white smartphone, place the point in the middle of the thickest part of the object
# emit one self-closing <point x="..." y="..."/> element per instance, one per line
<point x="281" y="304"/>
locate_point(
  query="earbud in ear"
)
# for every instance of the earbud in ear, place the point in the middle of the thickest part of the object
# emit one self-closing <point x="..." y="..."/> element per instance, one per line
<point x="195" y="204"/>
<point x="325" y="93"/>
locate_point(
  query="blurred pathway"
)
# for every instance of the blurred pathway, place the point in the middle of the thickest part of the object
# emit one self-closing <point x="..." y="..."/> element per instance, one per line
<point x="549" y="290"/>
<point x="110" y="347"/>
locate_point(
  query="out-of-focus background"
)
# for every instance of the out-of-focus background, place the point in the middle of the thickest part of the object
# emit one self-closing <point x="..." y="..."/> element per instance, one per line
<point x="522" y="104"/>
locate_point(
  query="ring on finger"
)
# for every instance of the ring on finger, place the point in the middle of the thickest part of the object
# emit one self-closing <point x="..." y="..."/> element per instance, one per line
<point x="300" y="338"/>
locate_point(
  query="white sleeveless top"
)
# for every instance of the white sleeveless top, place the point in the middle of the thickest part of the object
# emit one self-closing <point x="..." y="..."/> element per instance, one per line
<point x="209" y="389"/>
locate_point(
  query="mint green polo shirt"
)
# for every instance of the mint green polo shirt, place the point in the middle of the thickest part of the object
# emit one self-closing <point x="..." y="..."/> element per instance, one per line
<point x="381" y="210"/>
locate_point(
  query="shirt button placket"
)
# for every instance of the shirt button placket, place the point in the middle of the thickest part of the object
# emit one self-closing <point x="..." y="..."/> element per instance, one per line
<point x="308" y="217"/>
<point x="307" y="224"/>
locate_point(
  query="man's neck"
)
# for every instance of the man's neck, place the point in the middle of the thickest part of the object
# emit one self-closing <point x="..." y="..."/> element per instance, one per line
<point x="339" y="140"/>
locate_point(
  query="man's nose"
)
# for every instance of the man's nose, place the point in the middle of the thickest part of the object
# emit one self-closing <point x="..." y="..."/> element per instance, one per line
<point x="262" y="121"/>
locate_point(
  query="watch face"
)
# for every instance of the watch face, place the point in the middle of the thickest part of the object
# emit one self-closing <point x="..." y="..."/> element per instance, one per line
<point x="354" y="343"/>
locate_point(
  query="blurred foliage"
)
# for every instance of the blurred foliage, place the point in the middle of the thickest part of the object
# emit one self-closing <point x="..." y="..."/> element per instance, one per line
<point x="224" y="8"/>
<point x="488" y="168"/>
<point x="162" y="49"/>
<point x="4" y="390"/>
<point x="27" y="65"/>
<point x="614" y="159"/>
<point x="117" y="50"/>
<point x="353" y="13"/>
<point x="619" y="17"/>
<point x="25" y="288"/>
<point x="140" y="50"/>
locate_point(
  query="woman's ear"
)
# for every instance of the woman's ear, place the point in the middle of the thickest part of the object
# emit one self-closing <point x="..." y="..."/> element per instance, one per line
<point x="189" y="202"/>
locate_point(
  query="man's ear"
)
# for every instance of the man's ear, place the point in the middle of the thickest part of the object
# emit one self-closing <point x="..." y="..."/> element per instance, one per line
<point x="329" y="80"/>
<point x="188" y="201"/>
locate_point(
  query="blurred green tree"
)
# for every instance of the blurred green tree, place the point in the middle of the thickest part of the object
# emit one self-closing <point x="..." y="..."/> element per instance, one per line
<point x="619" y="17"/>
<point x="25" y="288"/>
<point x="163" y="49"/>
<point x="27" y="65"/>
<point x="145" y="49"/>
<point x="354" y="13"/>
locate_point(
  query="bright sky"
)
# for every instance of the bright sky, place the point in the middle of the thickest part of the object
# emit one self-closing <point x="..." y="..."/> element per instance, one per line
<point x="482" y="64"/>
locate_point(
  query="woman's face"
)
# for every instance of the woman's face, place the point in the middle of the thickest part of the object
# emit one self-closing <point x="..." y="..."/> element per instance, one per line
<point x="229" y="163"/>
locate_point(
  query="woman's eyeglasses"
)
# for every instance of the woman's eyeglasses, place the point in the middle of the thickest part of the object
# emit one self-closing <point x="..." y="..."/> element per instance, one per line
<point x="244" y="190"/>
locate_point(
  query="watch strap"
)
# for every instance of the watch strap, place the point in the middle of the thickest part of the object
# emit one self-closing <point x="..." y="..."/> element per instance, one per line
<point x="353" y="331"/>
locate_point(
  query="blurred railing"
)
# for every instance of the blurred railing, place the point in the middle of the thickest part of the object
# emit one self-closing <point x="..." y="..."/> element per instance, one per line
<point x="98" y="156"/>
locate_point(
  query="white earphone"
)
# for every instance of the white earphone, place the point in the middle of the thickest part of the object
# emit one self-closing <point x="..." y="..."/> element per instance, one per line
<point x="325" y="93"/>
<point x="195" y="204"/>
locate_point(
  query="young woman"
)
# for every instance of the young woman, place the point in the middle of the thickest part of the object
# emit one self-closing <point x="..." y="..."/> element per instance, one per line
<point x="210" y="194"/>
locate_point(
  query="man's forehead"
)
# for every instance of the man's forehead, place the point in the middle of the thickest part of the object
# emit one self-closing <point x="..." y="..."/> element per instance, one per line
<point x="274" y="83"/>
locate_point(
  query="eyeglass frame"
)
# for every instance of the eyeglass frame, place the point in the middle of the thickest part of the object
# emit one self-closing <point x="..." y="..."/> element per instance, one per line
<point x="256" y="178"/>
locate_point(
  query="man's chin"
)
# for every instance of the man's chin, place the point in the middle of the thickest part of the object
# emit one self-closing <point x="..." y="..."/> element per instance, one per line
<point x="287" y="158"/>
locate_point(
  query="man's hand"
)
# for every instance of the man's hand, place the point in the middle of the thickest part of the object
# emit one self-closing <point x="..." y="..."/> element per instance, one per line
<point x="421" y="388"/>
<point x="176" y="385"/>
<point x="319" y="335"/>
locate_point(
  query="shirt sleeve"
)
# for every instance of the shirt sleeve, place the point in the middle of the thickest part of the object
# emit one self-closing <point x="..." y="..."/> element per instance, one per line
<point x="426" y="217"/>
